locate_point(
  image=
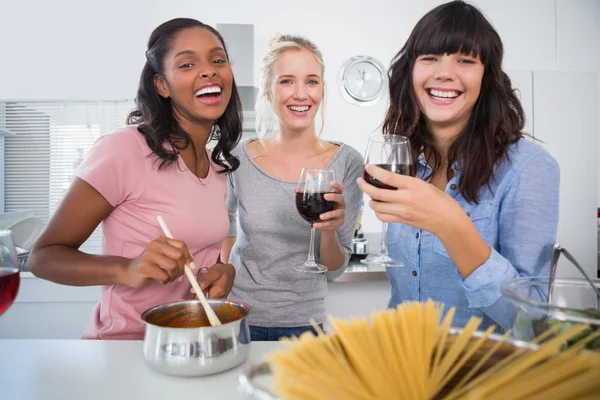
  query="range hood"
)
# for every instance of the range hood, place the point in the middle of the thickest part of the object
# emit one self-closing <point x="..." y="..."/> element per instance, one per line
<point x="239" y="39"/>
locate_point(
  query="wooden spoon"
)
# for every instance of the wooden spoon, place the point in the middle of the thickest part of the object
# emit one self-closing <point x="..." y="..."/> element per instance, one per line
<point x="210" y="313"/>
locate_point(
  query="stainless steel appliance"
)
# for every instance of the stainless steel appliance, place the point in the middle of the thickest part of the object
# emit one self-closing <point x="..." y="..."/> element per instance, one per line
<point x="360" y="244"/>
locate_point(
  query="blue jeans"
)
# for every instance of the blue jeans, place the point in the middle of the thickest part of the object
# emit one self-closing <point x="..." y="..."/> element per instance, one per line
<point x="260" y="333"/>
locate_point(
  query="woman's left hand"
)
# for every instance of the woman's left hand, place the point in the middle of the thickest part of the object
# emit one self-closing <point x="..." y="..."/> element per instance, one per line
<point x="415" y="203"/>
<point x="331" y="220"/>
<point x="218" y="280"/>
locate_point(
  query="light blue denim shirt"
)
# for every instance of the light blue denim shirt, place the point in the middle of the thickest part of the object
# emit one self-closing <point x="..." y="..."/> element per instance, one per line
<point x="518" y="219"/>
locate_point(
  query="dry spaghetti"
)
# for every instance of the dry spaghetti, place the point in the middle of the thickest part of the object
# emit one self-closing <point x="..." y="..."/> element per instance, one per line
<point x="409" y="353"/>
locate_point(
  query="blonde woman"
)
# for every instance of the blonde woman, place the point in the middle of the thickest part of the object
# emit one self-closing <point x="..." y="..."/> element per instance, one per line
<point x="267" y="235"/>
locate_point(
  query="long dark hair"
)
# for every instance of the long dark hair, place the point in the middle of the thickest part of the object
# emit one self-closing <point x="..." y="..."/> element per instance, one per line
<point x="497" y="119"/>
<point x="154" y="114"/>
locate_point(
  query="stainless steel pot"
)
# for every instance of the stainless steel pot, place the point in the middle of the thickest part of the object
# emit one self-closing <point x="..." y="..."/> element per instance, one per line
<point x="180" y="341"/>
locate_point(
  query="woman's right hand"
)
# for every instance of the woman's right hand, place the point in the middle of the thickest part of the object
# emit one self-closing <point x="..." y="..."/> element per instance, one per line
<point x="163" y="260"/>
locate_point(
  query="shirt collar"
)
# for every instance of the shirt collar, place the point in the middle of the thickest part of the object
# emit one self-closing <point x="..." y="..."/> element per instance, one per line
<point x="421" y="160"/>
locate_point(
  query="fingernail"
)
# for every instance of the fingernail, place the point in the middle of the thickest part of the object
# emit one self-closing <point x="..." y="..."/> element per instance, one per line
<point x="193" y="265"/>
<point x="180" y="279"/>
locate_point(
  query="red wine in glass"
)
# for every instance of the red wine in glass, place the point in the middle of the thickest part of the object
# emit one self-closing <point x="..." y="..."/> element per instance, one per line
<point x="9" y="271"/>
<point x="402" y="169"/>
<point x="312" y="205"/>
<point x="312" y="187"/>
<point x="9" y="286"/>
<point x="393" y="153"/>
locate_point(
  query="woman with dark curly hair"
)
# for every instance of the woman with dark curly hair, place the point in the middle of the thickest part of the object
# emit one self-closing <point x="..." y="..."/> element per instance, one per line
<point x="158" y="165"/>
<point x="483" y="208"/>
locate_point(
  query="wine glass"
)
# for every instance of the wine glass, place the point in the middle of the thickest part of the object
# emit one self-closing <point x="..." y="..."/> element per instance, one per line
<point x="9" y="271"/>
<point x="312" y="187"/>
<point x="393" y="153"/>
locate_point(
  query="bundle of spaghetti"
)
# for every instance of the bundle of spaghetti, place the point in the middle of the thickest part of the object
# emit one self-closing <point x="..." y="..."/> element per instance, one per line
<point x="412" y="353"/>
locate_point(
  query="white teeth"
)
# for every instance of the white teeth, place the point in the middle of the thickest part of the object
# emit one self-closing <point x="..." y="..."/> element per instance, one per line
<point x="210" y="89"/>
<point x="450" y="94"/>
<point x="298" y="108"/>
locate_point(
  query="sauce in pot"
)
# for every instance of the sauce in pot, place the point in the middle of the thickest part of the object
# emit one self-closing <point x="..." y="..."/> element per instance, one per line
<point x="191" y="315"/>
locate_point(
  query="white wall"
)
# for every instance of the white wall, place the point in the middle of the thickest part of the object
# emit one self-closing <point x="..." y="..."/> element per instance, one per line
<point x="2" y="172"/>
<point x="68" y="49"/>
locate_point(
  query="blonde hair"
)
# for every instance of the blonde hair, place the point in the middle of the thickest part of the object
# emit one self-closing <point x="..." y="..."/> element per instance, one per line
<point x="266" y="120"/>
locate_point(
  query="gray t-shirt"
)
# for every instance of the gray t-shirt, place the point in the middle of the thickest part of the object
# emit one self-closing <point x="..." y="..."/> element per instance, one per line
<point x="272" y="238"/>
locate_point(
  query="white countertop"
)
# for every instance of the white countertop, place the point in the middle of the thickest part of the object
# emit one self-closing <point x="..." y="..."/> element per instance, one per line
<point x="104" y="370"/>
<point x="355" y="272"/>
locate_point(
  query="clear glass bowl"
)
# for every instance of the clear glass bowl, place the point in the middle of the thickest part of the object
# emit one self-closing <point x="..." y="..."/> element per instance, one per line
<point x="573" y="301"/>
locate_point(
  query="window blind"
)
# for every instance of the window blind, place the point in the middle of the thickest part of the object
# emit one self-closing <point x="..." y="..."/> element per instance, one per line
<point x="51" y="139"/>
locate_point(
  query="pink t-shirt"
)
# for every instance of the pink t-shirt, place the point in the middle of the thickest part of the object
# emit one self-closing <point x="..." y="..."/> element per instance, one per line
<point x="123" y="169"/>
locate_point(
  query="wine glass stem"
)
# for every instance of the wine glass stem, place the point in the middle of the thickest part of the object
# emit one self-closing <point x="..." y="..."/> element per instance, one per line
<point x="311" y="249"/>
<point x="383" y="242"/>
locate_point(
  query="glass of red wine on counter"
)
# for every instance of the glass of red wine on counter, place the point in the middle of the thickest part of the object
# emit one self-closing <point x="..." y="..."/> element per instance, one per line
<point x="312" y="187"/>
<point x="393" y="153"/>
<point x="9" y="271"/>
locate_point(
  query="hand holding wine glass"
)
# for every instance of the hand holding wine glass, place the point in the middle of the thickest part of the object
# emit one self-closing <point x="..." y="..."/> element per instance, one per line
<point x="392" y="153"/>
<point x="416" y="203"/>
<point x="332" y="220"/>
<point x="9" y="271"/>
<point x="313" y="188"/>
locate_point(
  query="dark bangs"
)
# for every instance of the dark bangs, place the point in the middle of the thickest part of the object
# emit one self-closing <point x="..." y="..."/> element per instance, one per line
<point x="497" y="118"/>
<point x="455" y="27"/>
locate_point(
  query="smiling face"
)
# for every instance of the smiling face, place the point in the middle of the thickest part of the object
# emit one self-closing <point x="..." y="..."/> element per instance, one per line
<point x="297" y="89"/>
<point x="446" y="88"/>
<point x="197" y="76"/>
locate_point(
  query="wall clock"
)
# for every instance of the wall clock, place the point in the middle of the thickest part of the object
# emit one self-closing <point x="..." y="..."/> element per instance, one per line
<point x="362" y="80"/>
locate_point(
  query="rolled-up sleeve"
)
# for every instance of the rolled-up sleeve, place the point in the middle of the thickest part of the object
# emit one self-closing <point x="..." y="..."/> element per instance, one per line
<point x="528" y="222"/>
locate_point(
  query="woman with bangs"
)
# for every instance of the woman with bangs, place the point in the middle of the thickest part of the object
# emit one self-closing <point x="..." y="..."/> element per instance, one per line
<point x="483" y="207"/>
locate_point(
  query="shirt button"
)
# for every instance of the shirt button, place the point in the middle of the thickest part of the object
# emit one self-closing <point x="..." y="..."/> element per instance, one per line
<point x="417" y="235"/>
<point x="453" y="186"/>
<point x="414" y="273"/>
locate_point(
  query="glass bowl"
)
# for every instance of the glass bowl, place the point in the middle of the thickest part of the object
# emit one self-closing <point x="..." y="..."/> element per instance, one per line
<point x="573" y="301"/>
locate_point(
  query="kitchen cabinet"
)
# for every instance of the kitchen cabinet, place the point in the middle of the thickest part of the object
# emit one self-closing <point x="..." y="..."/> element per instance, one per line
<point x="565" y="119"/>
<point x="46" y="310"/>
